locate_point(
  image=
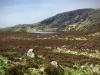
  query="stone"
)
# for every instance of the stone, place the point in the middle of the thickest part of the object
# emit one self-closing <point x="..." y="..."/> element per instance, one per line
<point x="31" y="53"/>
<point x="54" y="63"/>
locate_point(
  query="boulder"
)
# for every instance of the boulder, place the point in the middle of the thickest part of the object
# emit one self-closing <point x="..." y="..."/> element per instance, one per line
<point x="54" y="63"/>
<point x="31" y="53"/>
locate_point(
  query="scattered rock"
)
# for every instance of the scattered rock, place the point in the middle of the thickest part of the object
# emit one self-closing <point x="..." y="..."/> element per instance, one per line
<point x="30" y="53"/>
<point x="54" y="63"/>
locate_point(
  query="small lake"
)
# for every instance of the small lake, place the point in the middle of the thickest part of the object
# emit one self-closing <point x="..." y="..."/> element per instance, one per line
<point x="43" y="32"/>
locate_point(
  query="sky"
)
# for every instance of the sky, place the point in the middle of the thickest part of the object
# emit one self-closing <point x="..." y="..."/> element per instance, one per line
<point x="13" y="12"/>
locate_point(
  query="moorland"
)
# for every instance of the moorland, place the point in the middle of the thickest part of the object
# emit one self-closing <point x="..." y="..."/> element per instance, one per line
<point x="67" y="48"/>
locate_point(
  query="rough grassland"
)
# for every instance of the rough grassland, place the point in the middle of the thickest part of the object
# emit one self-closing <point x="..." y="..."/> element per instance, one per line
<point x="78" y="53"/>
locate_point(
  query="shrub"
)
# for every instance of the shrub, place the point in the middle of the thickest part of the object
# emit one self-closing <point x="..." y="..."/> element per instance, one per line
<point x="52" y="70"/>
<point x="4" y="64"/>
<point x="11" y="58"/>
<point x="16" y="70"/>
<point x="31" y="64"/>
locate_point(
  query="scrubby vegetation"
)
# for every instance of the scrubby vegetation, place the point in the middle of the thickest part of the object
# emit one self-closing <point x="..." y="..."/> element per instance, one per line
<point x="77" y="53"/>
<point x="4" y="64"/>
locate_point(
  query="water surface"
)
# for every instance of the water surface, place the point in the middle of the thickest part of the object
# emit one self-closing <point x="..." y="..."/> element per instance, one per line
<point x="43" y="32"/>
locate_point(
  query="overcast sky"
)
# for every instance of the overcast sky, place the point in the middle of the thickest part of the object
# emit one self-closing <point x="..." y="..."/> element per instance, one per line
<point x="13" y="12"/>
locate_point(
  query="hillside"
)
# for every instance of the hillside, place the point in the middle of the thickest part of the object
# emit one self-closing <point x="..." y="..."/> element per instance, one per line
<point x="76" y="20"/>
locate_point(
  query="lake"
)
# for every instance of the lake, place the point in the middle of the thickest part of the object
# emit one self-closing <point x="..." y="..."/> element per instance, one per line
<point x="43" y="32"/>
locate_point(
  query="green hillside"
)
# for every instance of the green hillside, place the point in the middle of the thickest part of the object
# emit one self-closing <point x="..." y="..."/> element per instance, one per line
<point x="76" y="20"/>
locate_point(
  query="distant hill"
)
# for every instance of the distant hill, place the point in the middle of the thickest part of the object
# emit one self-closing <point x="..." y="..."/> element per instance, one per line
<point x="76" y="20"/>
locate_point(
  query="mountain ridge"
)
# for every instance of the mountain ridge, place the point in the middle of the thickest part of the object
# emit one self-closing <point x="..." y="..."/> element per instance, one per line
<point x="76" y="20"/>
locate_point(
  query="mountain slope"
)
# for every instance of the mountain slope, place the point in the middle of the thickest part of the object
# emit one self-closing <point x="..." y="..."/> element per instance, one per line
<point x="81" y="19"/>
